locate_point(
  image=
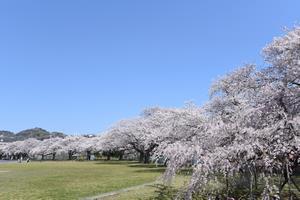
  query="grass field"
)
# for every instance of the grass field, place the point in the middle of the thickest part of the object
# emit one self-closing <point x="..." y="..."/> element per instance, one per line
<point x="79" y="180"/>
<point x="73" y="180"/>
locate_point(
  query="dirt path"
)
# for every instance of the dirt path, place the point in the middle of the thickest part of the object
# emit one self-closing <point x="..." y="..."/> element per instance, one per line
<point x="101" y="196"/>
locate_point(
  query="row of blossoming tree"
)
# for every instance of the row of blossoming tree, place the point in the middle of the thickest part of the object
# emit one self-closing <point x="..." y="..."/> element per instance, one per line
<point x="248" y="131"/>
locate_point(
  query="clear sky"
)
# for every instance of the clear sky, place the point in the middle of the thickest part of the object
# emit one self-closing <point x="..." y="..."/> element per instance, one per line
<point x="79" y="66"/>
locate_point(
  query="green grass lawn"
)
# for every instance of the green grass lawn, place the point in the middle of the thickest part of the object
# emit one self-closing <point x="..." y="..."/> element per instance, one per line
<point x="147" y="191"/>
<point x="71" y="180"/>
<point x="77" y="180"/>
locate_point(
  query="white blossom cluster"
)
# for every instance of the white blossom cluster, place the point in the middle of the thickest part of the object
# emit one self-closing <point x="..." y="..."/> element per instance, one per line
<point x="69" y="145"/>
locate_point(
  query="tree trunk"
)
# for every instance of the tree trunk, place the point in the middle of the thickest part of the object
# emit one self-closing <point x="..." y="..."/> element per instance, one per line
<point x="166" y="162"/>
<point x="147" y="157"/>
<point x="70" y="155"/>
<point x="141" y="158"/>
<point x="53" y="156"/>
<point x="227" y="184"/>
<point x="88" y="155"/>
<point x="251" y="185"/>
<point x="255" y="179"/>
<point x="121" y="156"/>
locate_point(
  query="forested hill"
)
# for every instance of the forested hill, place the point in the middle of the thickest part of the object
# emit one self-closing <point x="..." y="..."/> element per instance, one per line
<point x="38" y="133"/>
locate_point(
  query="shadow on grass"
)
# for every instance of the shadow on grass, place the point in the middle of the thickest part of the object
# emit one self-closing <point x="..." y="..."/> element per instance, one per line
<point x="139" y="165"/>
<point x="151" y="170"/>
<point x="141" y="168"/>
<point x="115" y="162"/>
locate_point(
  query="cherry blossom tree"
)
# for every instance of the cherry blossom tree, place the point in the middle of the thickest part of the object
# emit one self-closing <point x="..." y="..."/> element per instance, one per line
<point x="47" y="147"/>
<point x="2" y="146"/>
<point x="88" y="145"/>
<point x="20" y="149"/>
<point x="69" y="145"/>
<point x="113" y="143"/>
<point x="252" y="122"/>
<point x="137" y="134"/>
<point x="175" y="125"/>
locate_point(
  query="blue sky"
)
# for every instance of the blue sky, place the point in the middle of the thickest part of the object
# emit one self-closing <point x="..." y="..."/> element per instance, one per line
<point x="79" y="66"/>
